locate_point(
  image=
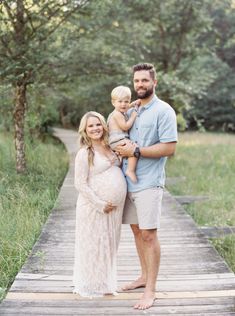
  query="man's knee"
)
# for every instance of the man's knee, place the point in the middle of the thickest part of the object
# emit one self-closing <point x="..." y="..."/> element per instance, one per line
<point x="149" y="235"/>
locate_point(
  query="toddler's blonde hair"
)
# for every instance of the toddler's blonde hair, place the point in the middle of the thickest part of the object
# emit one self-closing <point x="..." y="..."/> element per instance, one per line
<point x="120" y="92"/>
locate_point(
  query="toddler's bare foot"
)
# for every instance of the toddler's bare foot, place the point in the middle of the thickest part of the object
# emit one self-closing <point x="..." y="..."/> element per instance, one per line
<point x="140" y="282"/>
<point x="131" y="175"/>
<point x="146" y="300"/>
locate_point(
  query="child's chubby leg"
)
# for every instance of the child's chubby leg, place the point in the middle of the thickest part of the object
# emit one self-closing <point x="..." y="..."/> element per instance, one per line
<point x="132" y="161"/>
<point x="130" y="171"/>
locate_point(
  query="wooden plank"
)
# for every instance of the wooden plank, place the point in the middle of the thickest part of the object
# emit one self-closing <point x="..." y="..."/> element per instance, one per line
<point x="186" y="306"/>
<point x="67" y="287"/>
<point x="125" y="302"/>
<point x="120" y="296"/>
<point x="161" y="281"/>
<point x="31" y="276"/>
<point x="186" y="258"/>
<point x="122" y="310"/>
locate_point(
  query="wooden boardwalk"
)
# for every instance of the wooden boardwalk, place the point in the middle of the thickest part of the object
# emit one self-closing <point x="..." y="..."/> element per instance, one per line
<point x="193" y="278"/>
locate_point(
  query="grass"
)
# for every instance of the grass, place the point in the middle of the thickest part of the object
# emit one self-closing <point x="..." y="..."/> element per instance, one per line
<point x="226" y="248"/>
<point x="26" y="200"/>
<point x="207" y="161"/>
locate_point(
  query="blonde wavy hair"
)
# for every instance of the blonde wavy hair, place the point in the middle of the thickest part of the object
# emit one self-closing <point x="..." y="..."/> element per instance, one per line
<point x="120" y="92"/>
<point x="84" y="140"/>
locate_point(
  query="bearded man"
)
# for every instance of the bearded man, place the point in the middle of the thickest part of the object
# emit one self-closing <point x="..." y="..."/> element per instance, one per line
<point x="154" y="138"/>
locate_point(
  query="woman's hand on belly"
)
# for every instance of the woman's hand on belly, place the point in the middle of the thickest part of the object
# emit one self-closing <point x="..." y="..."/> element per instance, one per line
<point x="109" y="207"/>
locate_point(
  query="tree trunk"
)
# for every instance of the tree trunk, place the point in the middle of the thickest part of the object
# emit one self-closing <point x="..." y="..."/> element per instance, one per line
<point x="19" y="115"/>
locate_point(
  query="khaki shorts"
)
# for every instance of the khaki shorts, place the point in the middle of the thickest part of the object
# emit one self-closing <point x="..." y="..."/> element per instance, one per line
<point x="143" y="208"/>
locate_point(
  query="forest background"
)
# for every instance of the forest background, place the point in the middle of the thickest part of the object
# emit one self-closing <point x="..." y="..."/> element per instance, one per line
<point x="63" y="58"/>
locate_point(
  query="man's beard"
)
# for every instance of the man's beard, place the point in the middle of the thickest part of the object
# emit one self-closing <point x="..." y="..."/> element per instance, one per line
<point x="147" y="93"/>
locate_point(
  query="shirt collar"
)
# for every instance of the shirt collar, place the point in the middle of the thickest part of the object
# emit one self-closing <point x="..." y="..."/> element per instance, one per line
<point x="151" y="102"/>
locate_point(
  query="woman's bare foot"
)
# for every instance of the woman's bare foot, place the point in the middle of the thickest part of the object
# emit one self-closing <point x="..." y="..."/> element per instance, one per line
<point x="131" y="175"/>
<point x="140" y="282"/>
<point x="146" y="301"/>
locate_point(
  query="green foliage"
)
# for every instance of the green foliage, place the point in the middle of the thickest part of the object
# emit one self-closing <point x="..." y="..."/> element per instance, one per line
<point x="181" y="123"/>
<point x="216" y="109"/>
<point x="174" y="35"/>
<point x="28" y="55"/>
<point x="225" y="246"/>
<point x="191" y="44"/>
<point x="6" y="107"/>
<point x="43" y="111"/>
<point x="26" y="200"/>
<point x="25" y="35"/>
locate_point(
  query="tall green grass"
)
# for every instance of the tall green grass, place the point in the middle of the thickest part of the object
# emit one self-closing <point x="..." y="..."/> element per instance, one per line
<point x="207" y="162"/>
<point x="226" y="248"/>
<point x="26" y="200"/>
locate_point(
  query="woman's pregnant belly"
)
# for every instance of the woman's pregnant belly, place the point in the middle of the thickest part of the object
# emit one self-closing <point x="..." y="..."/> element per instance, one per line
<point x="110" y="185"/>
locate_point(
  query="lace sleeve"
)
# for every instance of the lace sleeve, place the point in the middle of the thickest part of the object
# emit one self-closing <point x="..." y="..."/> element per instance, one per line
<point x="81" y="180"/>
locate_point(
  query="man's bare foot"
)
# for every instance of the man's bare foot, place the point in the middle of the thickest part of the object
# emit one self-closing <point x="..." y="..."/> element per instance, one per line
<point x="131" y="175"/>
<point x="140" y="282"/>
<point x="146" y="301"/>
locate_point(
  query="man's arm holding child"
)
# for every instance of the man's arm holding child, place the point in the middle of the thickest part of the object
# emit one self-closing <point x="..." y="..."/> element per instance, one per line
<point x="155" y="151"/>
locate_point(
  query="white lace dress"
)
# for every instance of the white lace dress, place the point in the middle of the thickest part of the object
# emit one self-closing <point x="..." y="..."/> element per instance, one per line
<point x="97" y="233"/>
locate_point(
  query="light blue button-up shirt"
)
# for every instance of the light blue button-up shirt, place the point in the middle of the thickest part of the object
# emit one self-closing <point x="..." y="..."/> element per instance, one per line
<point x="155" y="123"/>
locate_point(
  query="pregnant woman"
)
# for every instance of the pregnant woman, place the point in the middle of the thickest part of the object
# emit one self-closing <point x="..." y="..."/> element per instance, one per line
<point x="102" y="191"/>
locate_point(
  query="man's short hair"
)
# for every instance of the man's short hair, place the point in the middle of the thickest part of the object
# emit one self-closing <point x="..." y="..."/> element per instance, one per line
<point x="146" y="66"/>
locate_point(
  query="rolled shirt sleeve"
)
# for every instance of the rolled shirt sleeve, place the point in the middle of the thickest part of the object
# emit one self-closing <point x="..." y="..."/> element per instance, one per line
<point x="168" y="127"/>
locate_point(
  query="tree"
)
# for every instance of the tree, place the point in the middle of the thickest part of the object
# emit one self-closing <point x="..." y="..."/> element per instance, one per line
<point x="26" y="28"/>
<point x="191" y="43"/>
<point x="94" y="56"/>
<point x="215" y="110"/>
